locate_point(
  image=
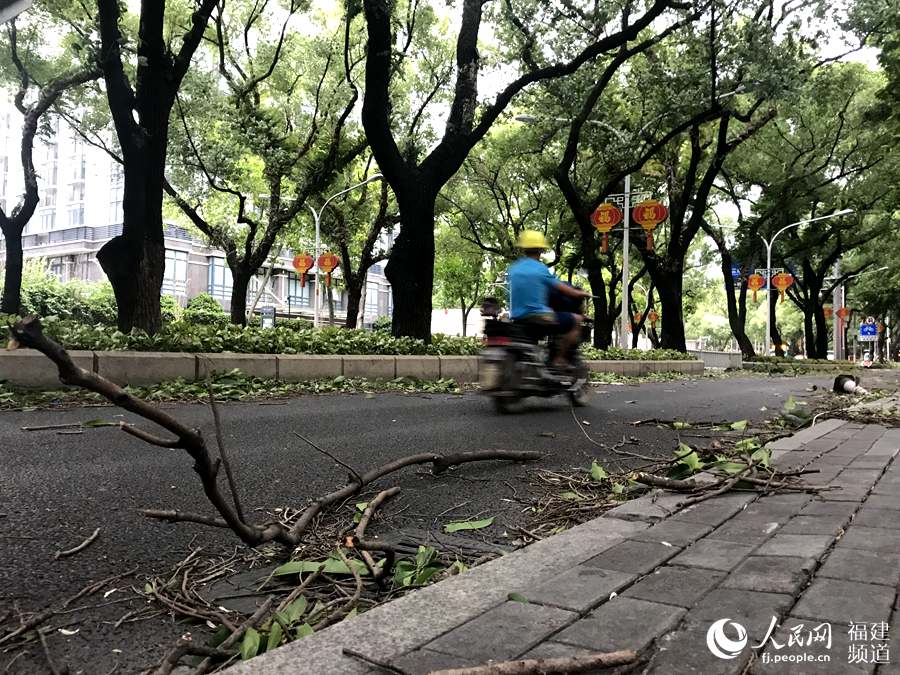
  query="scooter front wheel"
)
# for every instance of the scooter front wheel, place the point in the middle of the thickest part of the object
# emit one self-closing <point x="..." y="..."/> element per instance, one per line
<point x="508" y="405"/>
<point x="579" y="398"/>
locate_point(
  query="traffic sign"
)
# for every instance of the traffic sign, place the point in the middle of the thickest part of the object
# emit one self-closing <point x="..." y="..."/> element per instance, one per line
<point x="870" y="320"/>
<point x="868" y="332"/>
<point x="736" y="271"/>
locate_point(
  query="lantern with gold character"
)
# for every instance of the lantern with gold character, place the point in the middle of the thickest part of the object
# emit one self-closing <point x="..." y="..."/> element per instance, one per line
<point x="828" y="312"/>
<point x="648" y="214"/>
<point x="303" y="263"/>
<point x="754" y="283"/>
<point x="605" y="217"/>
<point x="653" y="316"/>
<point x="782" y="281"/>
<point x="327" y="263"/>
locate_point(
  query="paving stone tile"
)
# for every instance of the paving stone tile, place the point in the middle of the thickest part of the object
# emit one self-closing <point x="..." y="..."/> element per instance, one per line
<point x="886" y="488"/>
<point x="714" y="554"/>
<point x="672" y="585"/>
<point x="851" y="493"/>
<point x="783" y="499"/>
<point x="674" y="532"/>
<point x="883" y="518"/>
<point x="749" y="528"/>
<point x="815" y="525"/>
<point x="825" y="444"/>
<point x="622" y="623"/>
<point x="870" y="539"/>
<point x="770" y="574"/>
<point x="869" y="462"/>
<point x="818" y="507"/>
<point x="556" y="650"/>
<point x="796" y="545"/>
<point x="648" y="508"/>
<point x="825" y="475"/>
<point x="752" y="609"/>
<point x="426" y="661"/>
<point x="782" y="654"/>
<point x="866" y="477"/>
<point x="865" y="566"/>
<point x="841" y="601"/>
<point x="634" y="557"/>
<point x="684" y="651"/>
<point x="580" y="588"/>
<point x="715" y="511"/>
<point x="504" y="632"/>
<point x="883" y="502"/>
<point x="831" y="460"/>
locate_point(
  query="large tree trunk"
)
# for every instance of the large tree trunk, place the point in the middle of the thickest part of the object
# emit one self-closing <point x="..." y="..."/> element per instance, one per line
<point x="411" y="267"/>
<point x="354" y="296"/>
<point x="736" y="318"/>
<point x="12" y="274"/>
<point x="821" y="333"/>
<point x="809" y="333"/>
<point x="240" y="285"/>
<point x="669" y="286"/>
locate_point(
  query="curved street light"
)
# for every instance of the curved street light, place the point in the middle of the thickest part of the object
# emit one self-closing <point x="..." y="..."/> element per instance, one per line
<point x="317" y="216"/>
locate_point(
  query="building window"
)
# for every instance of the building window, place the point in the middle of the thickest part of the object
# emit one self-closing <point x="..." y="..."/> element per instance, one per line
<point x="298" y="296"/>
<point x="48" y="198"/>
<point x="175" y="274"/>
<point x="57" y="267"/>
<point x="75" y="215"/>
<point x="116" y="213"/>
<point x="371" y="299"/>
<point x="75" y="192"/>
<point x="219" y="279"/>
<point x="48" y="220"/>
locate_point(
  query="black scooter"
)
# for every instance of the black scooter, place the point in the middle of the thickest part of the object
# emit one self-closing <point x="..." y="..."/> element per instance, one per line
<point x="515" y="361"/>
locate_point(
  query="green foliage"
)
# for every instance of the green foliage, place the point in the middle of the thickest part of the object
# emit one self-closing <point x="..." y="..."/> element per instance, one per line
<point x="461" y="525"/>
<point x="204" y="310"/>
<point x="182" y="336"/>
<point x="418" y="571"/>
<point x="382" y="324"/>
<point x="45" y="295"/>
<point x="618" y="354"/>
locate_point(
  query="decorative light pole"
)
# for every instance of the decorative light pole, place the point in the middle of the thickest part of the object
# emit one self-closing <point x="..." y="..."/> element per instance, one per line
<point x="317" y="216"/>
<point x="768" y="270"/>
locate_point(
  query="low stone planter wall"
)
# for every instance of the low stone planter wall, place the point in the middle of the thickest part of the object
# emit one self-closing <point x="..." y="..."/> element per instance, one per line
<point x="718" y="359"/>
<point x="28" y="368"/>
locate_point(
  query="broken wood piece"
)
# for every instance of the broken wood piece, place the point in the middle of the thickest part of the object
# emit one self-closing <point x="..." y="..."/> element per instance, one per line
<point x="48" y="427"/>
<point x="571" y="664"/>
<point x="83" y="545"/>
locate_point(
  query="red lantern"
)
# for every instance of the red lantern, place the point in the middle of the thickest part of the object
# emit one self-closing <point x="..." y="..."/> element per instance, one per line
<point x="754" y="283"/>
<point x="844" y="313"/>
<point x="638" y="317"/>
<point x="328" y="262"/>
<point x="828" y="312"/>
<point x="880" y="328"/>
<point x="653" y="315"/>
<point x="303" y="263"/>
<point x="605" y="217"/>
<point x="782" y="281"/>
<point x="648" y="214"/>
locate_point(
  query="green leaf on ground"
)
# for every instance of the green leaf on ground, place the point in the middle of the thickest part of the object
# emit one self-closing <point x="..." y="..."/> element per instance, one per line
<point x="304" y="630"/>
<point x="468" y="525"/>
<point x="93" y="424"/>
<point x="739" y="426"/>
<point x="689" y="457"/>
<point x="618" y="488"/>
<point x="296" y="609"/>
<point x="762" y="457"/>
<point x="250" y="644"/>
<point x="729" y="466"/>
<point x="681" y="425"/>
<point x="571" y="496"/>
<point x="598" y="473"/>
<point x="275" y="635"/>
<point x="332" y="566"/>
<point x="516" y="597"/>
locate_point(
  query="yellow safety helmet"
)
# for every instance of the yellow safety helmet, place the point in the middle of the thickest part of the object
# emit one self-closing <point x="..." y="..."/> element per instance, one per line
<point x="532" y="239"/>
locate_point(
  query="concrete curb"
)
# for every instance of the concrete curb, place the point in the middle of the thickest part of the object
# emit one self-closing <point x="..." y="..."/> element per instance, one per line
<point x="28" y="368"/>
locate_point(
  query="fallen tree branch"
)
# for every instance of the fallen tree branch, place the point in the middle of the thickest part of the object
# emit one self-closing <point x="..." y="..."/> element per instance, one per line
<point x="573" y="664"/>
<point x="220" y="442"/>
<point x="83" y="545"/>
<point x="668" y="483"/>
<point x="357" y="542"/>
<point x="188" y="648"/>
<point x="29" y="333"/>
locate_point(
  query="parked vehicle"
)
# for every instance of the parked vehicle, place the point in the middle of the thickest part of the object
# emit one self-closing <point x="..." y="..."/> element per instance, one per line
<point x="515" y="362"/>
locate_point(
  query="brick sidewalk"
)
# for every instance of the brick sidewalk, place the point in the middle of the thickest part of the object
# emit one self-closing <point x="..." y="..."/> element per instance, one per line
<point x="644" y="578"/>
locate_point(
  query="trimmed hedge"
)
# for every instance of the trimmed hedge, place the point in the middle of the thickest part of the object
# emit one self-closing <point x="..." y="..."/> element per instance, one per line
<point x="619" y="354"/>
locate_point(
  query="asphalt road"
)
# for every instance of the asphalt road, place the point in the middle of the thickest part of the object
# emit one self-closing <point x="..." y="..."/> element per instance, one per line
<point x="56" y="489"/>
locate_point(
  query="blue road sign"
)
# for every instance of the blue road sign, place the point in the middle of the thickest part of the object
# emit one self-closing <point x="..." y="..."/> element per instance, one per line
<point x="736" y="270"/>
<point x="868" y="332"/>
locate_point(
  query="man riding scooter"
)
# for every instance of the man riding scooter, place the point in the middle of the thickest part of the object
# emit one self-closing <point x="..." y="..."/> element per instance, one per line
<point x="531" y="285"/>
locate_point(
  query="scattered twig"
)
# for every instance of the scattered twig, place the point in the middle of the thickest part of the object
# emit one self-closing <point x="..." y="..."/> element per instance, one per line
<point x="50" y="664"/>
<point x="236" y="635"/>
<point x="187" y="647"/>
<point x="83" y="545"/>
<point x="48" y="427"/>
<point x="372" y="661"/>
<point x="354" y="474"/>
<point x="220" y="442"/>
<point x="351" y="603"/>
<point x="573" y="664"/>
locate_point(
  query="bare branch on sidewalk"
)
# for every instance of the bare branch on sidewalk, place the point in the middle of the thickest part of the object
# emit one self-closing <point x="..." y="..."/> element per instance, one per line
<point x="572" y="664"/>
<point x="83" y="545"/>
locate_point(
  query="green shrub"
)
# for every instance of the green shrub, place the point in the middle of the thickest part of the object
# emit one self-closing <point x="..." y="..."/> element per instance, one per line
<point x="619" y="354"/>
<point x="382" y="323"/>
<point x="204" y="310"/>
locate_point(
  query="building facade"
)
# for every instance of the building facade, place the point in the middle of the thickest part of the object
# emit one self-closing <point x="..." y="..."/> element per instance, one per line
<point x="81" y="192"/>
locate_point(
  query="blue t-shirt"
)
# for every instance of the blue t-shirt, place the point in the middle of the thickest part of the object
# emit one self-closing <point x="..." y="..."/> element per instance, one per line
<point x="530" y="283"/>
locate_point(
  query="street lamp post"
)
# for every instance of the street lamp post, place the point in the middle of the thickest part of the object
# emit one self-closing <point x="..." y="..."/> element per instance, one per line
<point x="317" y="217"/>
<point x="769" y="243"/>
